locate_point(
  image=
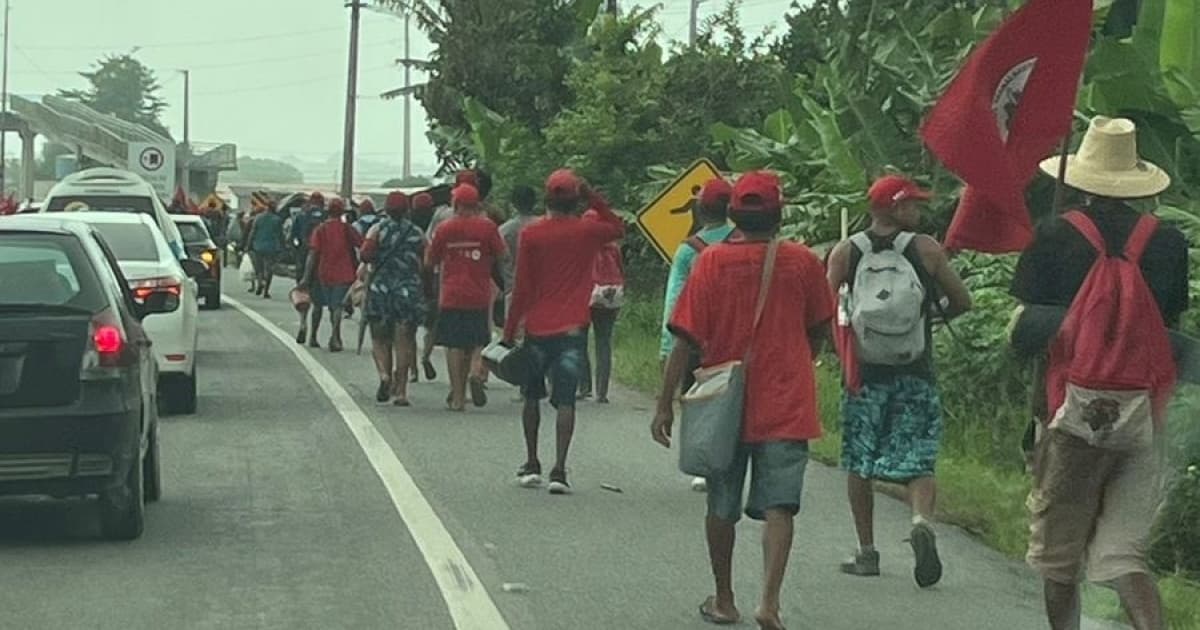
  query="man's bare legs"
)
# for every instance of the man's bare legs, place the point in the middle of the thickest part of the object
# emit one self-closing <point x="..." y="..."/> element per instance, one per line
<point x="861" y="493"/>
<point x="335" y="320"/>
<point x="317" y="312"/>
<point x="721" y="536"/>
<point x="531" y="421"/>
<point x="404" y="344"/>
<point x="777" y="547"/>
<point x="1141" y="601"/>
<point x="1063" y="608"/>
<point x="381" y="351"/>
<point x="458" y="364"/>
<point x="565" y="431"/>
<point x="922" y="497"/>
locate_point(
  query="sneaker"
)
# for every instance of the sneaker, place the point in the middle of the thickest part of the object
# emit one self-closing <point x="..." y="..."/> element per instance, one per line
<point x="530" y="476"/>
<point x="864" y="563"/>
<point x="928" y="569"/>
<point x="699" y="484"/>
<point x="384" y="393"/>
<point x="558" y="482"/>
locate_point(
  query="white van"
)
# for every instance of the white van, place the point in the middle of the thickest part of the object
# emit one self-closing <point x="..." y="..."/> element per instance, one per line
<point x="114" y="190"/>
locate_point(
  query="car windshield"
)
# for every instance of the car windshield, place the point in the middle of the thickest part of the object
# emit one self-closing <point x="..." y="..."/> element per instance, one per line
<point x="193" y="233"/>
<point x="129" y="241"/>
<point x="101" y="203"/>
<point x="49" y="269"/>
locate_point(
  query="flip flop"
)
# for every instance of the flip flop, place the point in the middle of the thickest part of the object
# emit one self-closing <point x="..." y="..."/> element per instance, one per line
<point x="767" y="624"/>
<point x="430" y="371"/>
<point x="707" y="614"/>
<point x="478" y="392"/>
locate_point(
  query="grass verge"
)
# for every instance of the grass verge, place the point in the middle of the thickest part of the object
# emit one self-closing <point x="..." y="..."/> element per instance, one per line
<point x="973" y="492"/>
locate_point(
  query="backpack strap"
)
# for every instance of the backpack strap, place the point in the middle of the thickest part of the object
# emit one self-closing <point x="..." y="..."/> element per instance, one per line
<point x="1085" y="226"/>
<point x="695" y="242"/>
<point x="1136" y="244"/>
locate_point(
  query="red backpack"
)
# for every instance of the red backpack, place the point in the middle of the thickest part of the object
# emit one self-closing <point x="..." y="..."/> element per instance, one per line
<point x="1111" y="368"/>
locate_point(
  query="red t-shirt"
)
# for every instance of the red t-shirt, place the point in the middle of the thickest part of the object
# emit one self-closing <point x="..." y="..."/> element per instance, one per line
<point x="466" y="248"/>
<point x="552" y="293"/>
<point x="332" y="241"/>
<point x="716" y="312"/>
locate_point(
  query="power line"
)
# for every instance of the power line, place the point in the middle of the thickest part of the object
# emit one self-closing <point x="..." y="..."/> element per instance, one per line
<point x="228" y="41"/>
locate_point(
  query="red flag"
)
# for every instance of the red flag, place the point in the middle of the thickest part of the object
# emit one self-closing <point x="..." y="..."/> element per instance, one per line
<point x="1010" y="105"/>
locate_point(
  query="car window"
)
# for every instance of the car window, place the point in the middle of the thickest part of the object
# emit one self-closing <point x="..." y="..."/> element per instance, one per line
<point x="47" y="269"/>
<point x="102" y="203"/>
<point x="129" y="241"/>
<point x="192" y="232"/>
<point x="115" y="278"/>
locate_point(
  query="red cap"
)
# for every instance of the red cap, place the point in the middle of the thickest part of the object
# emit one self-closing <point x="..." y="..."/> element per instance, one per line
<point x="757" y="191"/>
<point x="367" y="204"/>
<point x="422" y="201"/>
<point x="317" y="197"/>
<point x="465" y="195"/>
<point x="467" y="177"/>
<point x="715" y="193"/>
<point x="562" y="185"/>
<point x="396" y="200"/>
<point x="337" y="206"/>
<point x="890" y="190"/>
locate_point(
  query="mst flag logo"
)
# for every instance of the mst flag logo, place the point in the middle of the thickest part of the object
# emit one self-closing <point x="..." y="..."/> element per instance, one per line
<point x="1007" y="100"/>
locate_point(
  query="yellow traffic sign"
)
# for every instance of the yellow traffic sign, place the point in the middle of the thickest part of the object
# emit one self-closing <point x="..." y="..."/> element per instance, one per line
<point x="671" y="218"/>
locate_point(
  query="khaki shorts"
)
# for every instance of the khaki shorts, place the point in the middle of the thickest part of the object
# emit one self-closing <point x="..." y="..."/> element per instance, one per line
<point x="1092" y="509"/>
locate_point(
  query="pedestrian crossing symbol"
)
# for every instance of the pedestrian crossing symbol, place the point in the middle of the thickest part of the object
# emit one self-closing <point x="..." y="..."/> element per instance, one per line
<point x="671" y="218"/>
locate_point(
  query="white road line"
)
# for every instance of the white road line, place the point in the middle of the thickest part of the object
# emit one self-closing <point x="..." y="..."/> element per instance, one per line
<point x="469" y="604"/>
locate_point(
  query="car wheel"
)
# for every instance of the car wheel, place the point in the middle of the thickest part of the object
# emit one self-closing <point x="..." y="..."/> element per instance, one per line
<point x="152" y="468"/>
<point x="180" y="393"/>
<point x="123" y="511"/>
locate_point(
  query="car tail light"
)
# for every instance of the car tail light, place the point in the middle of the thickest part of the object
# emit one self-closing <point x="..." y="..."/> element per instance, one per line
<point x="144" y="288"/>
<point x="105" y="349"/>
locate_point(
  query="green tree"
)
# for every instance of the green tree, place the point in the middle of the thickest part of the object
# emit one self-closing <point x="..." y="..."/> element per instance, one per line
<point x="416" y="181"/>
<point x="265" y="171"/>
<point x="121" y="85"/>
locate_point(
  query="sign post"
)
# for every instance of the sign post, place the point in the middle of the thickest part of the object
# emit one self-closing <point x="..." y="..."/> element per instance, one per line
<point x="671" y="218"/>
<point x="155" y="163"/>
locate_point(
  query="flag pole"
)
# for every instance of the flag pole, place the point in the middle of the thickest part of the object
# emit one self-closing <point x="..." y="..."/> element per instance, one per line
<point x="1060" y="184"/>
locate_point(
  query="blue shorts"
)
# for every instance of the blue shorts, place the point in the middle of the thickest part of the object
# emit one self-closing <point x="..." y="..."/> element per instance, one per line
<point x="776" y="481"/>
<point x="331" y="296"/>
<point x="892" y="430"/>
<point x="560" y="358"/>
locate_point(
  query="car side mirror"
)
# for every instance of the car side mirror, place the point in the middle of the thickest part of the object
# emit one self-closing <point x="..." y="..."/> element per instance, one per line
<point x="193" y="268"/>
<point x="158" y="303"/>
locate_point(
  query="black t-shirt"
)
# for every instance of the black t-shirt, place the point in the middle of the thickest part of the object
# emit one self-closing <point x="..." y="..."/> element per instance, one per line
<point x="1054" y="267"/>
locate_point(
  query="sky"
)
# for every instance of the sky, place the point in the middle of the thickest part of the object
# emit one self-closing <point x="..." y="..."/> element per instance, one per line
<point x="266" y="75"/>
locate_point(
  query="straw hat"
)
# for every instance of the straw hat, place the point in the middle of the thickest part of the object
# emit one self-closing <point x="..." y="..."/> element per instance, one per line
<point x="1108" y="165"/>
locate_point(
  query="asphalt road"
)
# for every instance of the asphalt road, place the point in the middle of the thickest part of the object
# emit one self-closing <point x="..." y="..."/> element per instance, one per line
<point x="273" y="516"/>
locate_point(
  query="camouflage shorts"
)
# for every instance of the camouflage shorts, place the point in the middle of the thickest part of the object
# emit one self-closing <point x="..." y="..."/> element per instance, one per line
<point x="892" y="430"/>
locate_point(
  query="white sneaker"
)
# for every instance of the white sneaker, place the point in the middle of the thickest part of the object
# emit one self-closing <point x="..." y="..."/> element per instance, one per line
<point x="699" y="484"/>
<point x="529" y="477"/>
<point x="558" y="483"/>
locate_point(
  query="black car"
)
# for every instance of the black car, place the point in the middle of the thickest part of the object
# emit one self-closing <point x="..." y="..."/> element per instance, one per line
<point x="78" y="402"/>
<point x="199" y="245"/>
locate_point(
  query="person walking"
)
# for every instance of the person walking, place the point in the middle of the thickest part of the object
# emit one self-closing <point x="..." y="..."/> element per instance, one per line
<point x="421" y="216"/>
<point x="608" y="296"/>
<point x="333" y="264"/>
<point x="395" y="306"/>
<point x="712" y="212"/>
<point x="551" y="307"/>
<point x="890" y="279"/>
<point x="1098" y="463"/>
<point x="524" y="201"/>
<point x="716" y="315"/>
<point x="465" y="252"/>
<point x="310" y="216"/>
<point x="266" y="243"/>
<point x="369" y="216"/>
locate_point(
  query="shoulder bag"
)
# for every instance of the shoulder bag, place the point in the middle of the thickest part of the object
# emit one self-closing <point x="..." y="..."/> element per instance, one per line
<point x="711" y="427"/>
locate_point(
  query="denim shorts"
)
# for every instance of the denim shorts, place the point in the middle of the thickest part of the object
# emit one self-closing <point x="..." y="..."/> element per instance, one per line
<point x="776" y="481"/>
<point x="330" y="295"/>
<point x="561" y="359"/>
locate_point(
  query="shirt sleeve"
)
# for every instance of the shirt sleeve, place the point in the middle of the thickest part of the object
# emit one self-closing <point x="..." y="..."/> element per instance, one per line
<point x="1036" y="274"/>
<point x="691" y="317"/>
<point x="606" y="226"/>
<point x="433" y="255"/>
<point x="314" y="241"/>
<point x="497" y="243"/>
<point x="819" y="304"/>
<point x="1178" y="297"/>
<point x="681" y="265"/>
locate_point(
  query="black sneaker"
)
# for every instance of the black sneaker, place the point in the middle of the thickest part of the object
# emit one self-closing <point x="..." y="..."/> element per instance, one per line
<point x="384" y="393"/>
<point x="558" y="482"/>
<point x="928" y="569"/>
<point x="530" y="475"/>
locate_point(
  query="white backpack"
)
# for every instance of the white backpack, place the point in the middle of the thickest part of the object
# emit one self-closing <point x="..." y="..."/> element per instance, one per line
<point x="887" y="304"/>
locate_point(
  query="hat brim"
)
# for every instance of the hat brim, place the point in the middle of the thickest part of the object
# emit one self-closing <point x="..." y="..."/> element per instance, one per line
<point x="915" y="195"/>
<point x="1147" y="180"/>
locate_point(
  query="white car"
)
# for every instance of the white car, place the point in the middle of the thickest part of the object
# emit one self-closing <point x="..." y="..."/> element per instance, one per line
<point x="114" y="190"/>
<point x="150" y="267"/>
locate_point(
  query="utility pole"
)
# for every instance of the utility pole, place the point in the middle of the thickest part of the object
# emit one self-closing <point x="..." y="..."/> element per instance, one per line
<point x="187" y="132"/>
<point x="612" y="7"/>
<point x="4" y="106"/>
<point x="351" y="102"/>
<point x="407" y="169"/>
<point x="694" y="22"/>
